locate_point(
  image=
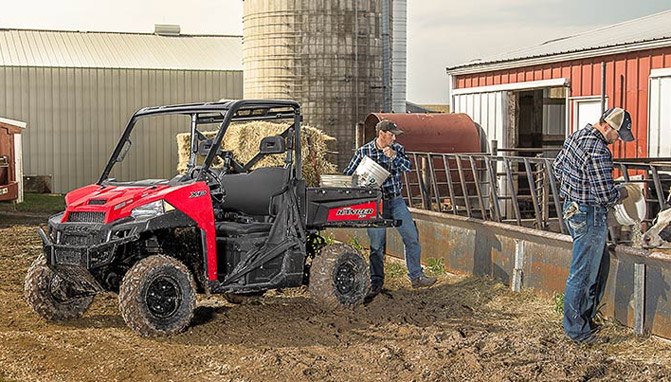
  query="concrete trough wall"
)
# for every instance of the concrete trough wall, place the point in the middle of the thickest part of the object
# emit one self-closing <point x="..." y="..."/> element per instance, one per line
<point x="636" y="295"/>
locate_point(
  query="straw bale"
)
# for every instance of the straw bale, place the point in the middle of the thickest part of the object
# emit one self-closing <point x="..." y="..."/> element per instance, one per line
<point x="243" y="140"/>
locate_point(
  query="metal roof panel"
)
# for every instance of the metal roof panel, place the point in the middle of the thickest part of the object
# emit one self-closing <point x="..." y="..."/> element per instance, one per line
<point x="23" y="47"/>
<point x="655" y="27"/>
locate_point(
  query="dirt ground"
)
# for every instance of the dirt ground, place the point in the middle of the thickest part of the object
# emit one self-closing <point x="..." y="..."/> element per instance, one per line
<point x="463" y="329"/>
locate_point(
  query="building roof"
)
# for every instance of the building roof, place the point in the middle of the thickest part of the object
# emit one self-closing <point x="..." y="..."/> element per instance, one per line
<point x="23" y="47"/>
<point x="411" y="107"/>
<point x="653" y="31"/>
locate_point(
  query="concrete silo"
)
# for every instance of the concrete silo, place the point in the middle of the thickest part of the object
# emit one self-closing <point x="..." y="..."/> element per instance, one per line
<point x="325" y="54"/>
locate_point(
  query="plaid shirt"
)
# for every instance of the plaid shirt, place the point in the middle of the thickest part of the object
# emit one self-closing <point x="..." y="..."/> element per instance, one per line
<point x="391" y="188"/>
<point x="584" y="167"/>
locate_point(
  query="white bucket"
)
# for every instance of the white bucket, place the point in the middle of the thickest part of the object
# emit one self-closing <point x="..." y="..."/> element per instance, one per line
<point x="623" y="217"/>
<point x="370" y="174"/>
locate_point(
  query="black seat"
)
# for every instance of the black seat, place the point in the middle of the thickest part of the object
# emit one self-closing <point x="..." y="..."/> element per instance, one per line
<point x="252" y="193"/>
<point x="238" y="229"/>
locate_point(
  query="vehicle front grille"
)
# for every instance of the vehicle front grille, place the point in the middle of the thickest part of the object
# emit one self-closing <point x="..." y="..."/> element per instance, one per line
<point x="75" y="240"/>
<point x="68" y="257"/>
<point x="86" y="217"/>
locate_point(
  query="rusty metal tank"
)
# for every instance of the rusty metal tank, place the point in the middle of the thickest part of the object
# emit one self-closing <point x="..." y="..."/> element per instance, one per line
<point x="436" y="133"/>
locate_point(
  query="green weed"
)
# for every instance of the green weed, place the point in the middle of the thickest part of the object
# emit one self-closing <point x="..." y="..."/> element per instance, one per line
<point x="435" y="267"/>
<point x="395" y="270"/>
<point x="558" y="300"/>
<point x="328" y="238"/>
<point x="354" y="242"/>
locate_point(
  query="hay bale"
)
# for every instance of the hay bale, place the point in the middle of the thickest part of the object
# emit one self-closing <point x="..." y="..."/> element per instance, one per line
<point x="243" y="140"/>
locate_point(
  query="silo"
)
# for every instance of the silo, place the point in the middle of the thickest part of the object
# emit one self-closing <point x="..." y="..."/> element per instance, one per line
<point x="399" y="55"/>
<point x="324" y="54"/>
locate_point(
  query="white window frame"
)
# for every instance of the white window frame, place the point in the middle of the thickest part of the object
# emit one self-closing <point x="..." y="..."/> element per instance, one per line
<point x="654" y="74"/>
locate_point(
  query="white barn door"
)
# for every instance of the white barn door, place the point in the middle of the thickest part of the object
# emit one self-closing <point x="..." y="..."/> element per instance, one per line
<point x="659" y="114"/>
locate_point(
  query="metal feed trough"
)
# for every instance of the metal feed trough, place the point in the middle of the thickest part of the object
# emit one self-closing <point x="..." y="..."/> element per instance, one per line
<point x="497" y="215"/>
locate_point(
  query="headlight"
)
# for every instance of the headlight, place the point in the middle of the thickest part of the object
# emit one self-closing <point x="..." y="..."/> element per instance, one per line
<point x="151" y="210"/>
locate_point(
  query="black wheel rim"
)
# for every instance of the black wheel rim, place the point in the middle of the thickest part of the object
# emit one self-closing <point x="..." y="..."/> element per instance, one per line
<point x="345" y="278"/>
<point x="57" y="289"/>
<point x="163" y="297"/>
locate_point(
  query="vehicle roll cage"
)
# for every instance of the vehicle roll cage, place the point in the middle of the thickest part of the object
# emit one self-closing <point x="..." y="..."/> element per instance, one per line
<point x="223" y="112"/>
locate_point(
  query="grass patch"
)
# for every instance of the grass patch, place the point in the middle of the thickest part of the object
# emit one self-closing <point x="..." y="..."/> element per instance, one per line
<point x="395" y="270"/>
<point x="37" y="203"/>
<point x="435" y="267"/>
<point x="328" y="238"/>
<point x="558" y="303"/>
<point x="354" y="242"/>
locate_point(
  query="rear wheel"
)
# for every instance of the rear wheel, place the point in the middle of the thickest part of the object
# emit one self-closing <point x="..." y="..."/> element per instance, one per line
<point x="339" y="277"/>
<point x="157" y="296"/>
<point x="51" y="296"/>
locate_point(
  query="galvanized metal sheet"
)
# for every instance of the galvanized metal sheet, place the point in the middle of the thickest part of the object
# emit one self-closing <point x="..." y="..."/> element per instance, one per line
<point x="21" y="47"/>
<point x="76" y="114"/>
<point x="654" y="27"/>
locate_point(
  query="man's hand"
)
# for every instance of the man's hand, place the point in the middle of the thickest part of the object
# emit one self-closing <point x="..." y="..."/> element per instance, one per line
<point x="389" y="152"/>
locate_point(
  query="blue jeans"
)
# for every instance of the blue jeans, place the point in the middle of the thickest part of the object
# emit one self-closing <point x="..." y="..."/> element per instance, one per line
<point x="589" y="269"/>
<point x="394" y="209"/>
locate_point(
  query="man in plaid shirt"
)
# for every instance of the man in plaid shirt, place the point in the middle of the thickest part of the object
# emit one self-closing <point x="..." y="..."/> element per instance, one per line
<point x="584" y="169"/>
<point x="386" y="152"/>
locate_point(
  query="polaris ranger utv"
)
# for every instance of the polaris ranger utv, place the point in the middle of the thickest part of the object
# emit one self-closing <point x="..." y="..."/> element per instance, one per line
<point x="230" y="228"/>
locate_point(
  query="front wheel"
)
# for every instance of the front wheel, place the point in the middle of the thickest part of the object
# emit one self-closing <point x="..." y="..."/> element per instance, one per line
<point x="339" y="277"/>
<point x="157" y="296"/>
<point x="51" y="296"/>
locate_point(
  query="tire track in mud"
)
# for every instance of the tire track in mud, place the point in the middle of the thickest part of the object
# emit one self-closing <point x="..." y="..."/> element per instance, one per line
<point x="465" y="328"/>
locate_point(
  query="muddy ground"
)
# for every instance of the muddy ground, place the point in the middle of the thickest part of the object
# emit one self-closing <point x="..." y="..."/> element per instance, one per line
<point x="463" y="329"/>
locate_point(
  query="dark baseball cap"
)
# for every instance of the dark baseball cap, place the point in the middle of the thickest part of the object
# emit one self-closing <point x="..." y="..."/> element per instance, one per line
<point x="387" y="125"/>
<point x="620" y="120"/>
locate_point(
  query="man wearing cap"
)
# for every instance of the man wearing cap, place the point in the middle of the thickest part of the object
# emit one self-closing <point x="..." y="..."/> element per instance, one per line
<point x="386" y="152"/>
<point x="584" y="168"/>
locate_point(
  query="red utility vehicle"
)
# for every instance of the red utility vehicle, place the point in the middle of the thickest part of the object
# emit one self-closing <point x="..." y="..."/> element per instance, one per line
<point x="215" y="229"/>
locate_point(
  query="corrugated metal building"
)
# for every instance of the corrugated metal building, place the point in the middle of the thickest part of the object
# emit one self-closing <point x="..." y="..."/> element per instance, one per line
<point x="534" y="97"/>
<point x="77" y="90"/>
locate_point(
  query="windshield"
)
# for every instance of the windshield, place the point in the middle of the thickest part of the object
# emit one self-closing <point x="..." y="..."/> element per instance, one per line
<point x="159" y="147"/>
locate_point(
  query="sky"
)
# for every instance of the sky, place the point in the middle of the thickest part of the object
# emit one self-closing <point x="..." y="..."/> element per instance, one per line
<point x="441" y="33"/>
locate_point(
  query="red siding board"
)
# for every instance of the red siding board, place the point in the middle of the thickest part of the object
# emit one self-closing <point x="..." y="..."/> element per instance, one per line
<point x="586" y="79"/>
<point x="596" y="78"/>
<point x="576" y="80"/>
<point x="627" y="81"/>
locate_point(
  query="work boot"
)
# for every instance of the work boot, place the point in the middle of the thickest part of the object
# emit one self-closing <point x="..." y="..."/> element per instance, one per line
<point x="375" y="289"/>
<point x="423" y="282"/>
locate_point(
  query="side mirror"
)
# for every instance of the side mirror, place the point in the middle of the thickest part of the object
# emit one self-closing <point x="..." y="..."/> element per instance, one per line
<point x="272" y="145"/>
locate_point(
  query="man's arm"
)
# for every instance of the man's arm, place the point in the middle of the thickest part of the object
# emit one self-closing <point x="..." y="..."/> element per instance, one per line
<point x="600" y="175"/>
<point x="401" y="161"/>
<point x="354" y="162"/>
<point x="558" y="163"/>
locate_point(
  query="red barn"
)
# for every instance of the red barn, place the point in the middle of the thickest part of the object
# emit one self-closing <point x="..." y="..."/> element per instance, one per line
<point x="534" y="97"/>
